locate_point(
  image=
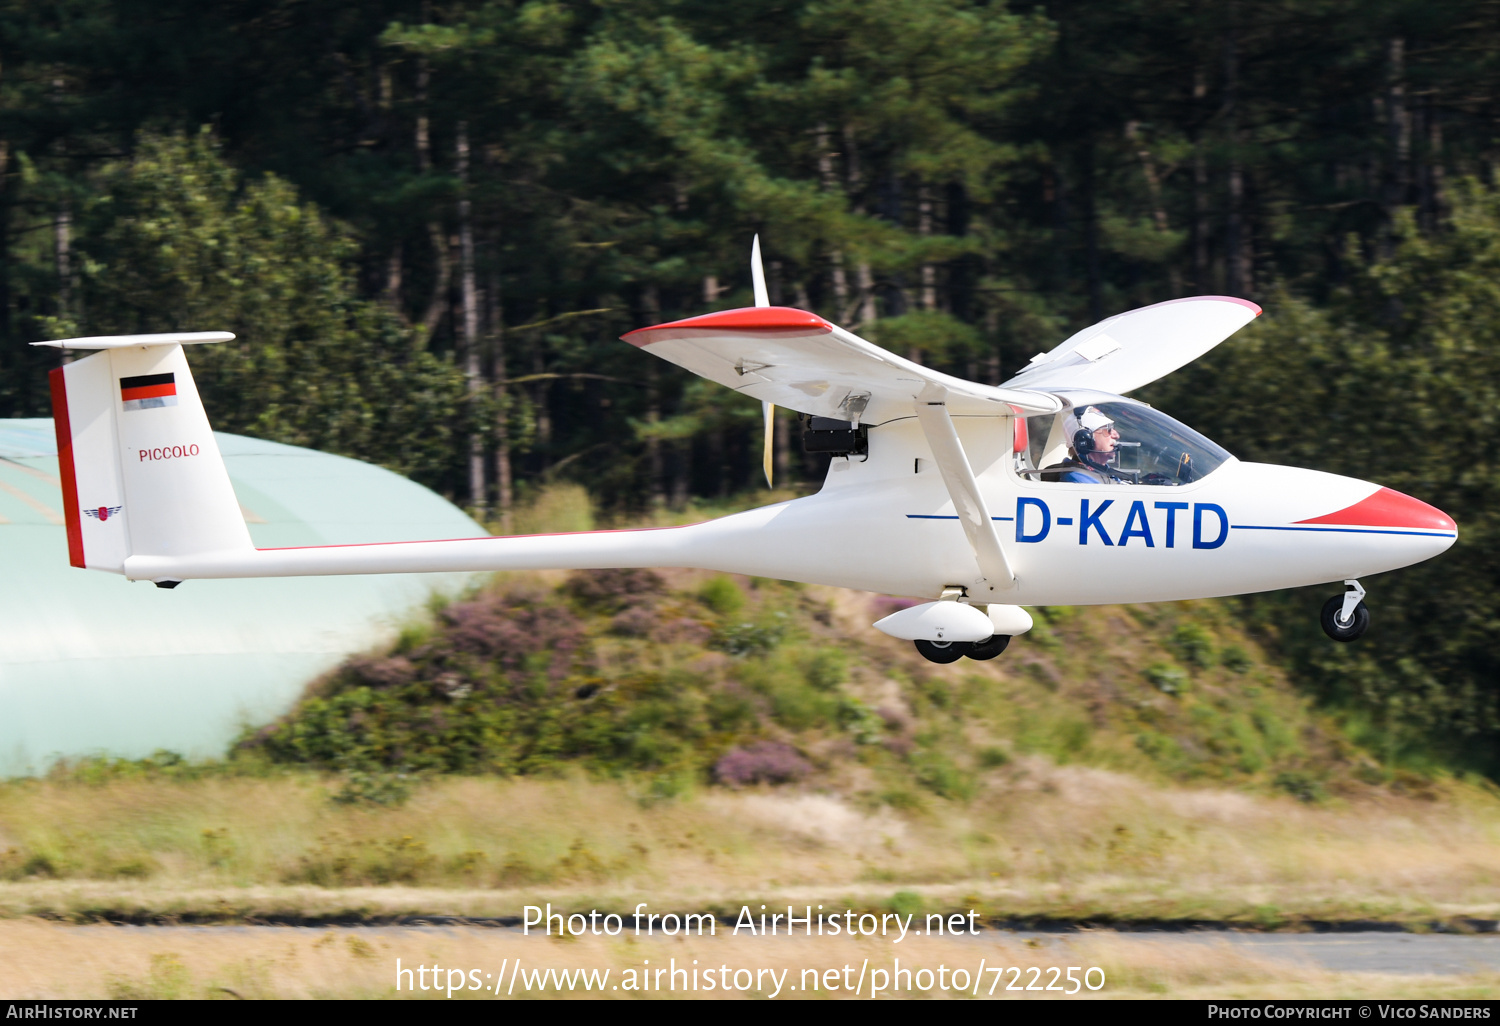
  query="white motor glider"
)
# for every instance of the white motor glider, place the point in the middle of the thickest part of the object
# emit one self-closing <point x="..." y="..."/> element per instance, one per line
<point x="1049" y="489"/>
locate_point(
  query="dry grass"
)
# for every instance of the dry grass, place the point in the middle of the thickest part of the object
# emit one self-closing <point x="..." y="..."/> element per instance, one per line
<point x="1039" y="841"/>
<point x="49" y="960"/>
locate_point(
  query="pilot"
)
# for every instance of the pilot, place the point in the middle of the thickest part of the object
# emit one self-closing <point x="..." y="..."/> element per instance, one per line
<point x="1094" y="449"/>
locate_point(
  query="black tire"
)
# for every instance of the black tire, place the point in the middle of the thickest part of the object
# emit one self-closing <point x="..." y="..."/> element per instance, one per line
<point x="1355" y="628"/>
<point x="943" y="651"/>
<point x="990" y="647"/>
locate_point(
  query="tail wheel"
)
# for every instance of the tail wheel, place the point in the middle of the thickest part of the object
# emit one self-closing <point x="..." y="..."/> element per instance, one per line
<point x="943" y="651"/>
<point x="990" y="647"/>
<point x="1337" y="628"/>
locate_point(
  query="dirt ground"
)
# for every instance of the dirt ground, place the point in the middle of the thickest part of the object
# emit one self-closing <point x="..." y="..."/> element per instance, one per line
<point x="41" y="959"/>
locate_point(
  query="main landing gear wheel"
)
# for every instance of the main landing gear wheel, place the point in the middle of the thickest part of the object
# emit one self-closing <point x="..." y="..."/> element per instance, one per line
<point x="1341" y="628"/>
<point x="943" y="651"/>
<point x="990" y="647"/>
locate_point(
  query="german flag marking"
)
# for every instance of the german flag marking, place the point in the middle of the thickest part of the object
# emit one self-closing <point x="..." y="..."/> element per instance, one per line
<point x="148" y="391"/>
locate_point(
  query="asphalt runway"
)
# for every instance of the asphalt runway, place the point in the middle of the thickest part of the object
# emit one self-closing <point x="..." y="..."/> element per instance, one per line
<point x="1375" y="951"/>
<point x="1368" y="952"/>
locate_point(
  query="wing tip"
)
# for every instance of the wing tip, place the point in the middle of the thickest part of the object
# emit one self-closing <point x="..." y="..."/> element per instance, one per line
<point x="746" y="318"/>
<point x="1217" y="299"/>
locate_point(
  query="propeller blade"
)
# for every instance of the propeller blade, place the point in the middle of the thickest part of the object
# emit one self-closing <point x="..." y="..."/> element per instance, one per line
<point x="769" y="410"/>
<point x="758" y="275"/>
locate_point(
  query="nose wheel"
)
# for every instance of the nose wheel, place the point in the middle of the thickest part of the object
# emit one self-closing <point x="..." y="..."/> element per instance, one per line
<point x="1346" y="617"/>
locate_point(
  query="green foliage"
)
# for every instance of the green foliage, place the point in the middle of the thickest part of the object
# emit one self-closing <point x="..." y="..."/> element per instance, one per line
<point x="937" y="772"/>
<point x="373" y="788"/>
<point x="1166" y="678"/>
<point x="174" y="239"/>
<point x="722" y="595"/>
<point x="1235" y="658"/>
<point x="931" y="337"/>
<point x="1414" y="332"/>
<point x="826" y="668"/>
<point x="993" y="757"/>
<point x="740" y="639"/>
<point x="1300" y="785"/>
<point x="343" y="862"/>
<point x="1194" y="645"/>
<point x="610" y="672"/>
<point x="161" y="765"/>
<point x="907" y="903"/>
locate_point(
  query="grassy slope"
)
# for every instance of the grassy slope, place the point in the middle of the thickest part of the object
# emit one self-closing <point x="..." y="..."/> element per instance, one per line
<point x="661" y="676"/>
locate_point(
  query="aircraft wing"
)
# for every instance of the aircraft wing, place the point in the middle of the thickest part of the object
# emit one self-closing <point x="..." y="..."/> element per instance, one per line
<point x="797" y="359"/>
<point x="1137" y="347"/>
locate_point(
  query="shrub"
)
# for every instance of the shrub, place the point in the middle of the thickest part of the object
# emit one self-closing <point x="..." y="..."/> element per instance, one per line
<point x="1193" y="644"/>
<point x="635" y="622"/>
<point x="1166" y="678"/>
<point x="1235" y="659"/>
<point x="722" y="596"/>
<point x="373" y="789"/>
<point x="339" y="861"/>
<point x="556" y="509"/>
<point x="381" y="673"/>
<point x="938" y="774"/>
<point x="1301" y="785"/>
<point x="508" y="629"/>
<point x="609" y="591"/>
<point x="743" y="639"/>
<point x="682" y="631"/>
<point x="993" y="757"/>
<point x="859" y="719"/>
<point x="826" y="668"/>
<point x="908" y="903"/>
<point x="767" y="762"/>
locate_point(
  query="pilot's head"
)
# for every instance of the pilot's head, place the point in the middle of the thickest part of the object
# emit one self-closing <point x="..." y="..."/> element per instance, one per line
<point x="1093" y="435"/>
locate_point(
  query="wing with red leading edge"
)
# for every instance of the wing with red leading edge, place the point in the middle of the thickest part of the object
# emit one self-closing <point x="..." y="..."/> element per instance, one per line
<point x="796" y="359"/>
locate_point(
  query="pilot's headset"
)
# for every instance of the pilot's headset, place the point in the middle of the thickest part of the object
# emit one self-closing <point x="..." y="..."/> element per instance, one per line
<point x="1086" y="421"/>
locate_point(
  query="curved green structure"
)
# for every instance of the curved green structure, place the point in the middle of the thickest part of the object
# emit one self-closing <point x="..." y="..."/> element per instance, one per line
<point x="93" y="664"/>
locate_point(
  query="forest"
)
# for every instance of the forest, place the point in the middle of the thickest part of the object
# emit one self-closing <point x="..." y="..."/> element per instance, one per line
<point x="428" y="224"/>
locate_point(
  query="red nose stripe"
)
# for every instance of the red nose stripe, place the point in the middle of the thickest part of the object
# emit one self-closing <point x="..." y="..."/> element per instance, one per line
<point x="1388" y="508"/>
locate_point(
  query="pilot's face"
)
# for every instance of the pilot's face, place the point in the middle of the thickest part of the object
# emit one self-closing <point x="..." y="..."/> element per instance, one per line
<point x="1105" y="438"/>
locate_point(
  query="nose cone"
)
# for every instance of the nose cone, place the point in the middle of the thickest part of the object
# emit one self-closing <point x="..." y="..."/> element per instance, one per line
<point x="1390" y="509"/>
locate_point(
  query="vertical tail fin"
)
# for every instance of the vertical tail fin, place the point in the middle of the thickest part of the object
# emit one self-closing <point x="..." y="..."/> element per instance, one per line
<point x="140" y="470"/>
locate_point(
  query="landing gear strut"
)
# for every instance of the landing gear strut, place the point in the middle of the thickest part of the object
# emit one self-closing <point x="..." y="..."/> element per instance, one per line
<point x="953" y="651"/>
<point x="1345" y="617"/>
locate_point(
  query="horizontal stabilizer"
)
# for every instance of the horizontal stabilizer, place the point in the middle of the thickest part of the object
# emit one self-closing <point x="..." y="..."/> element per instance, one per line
<point x="185" y="338"/>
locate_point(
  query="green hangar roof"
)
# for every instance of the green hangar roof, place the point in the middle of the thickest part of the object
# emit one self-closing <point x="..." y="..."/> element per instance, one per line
<point x="91" y="663"/>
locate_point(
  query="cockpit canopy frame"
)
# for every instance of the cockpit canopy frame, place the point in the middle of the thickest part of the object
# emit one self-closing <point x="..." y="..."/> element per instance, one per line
<point x="1152" y="449"/>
